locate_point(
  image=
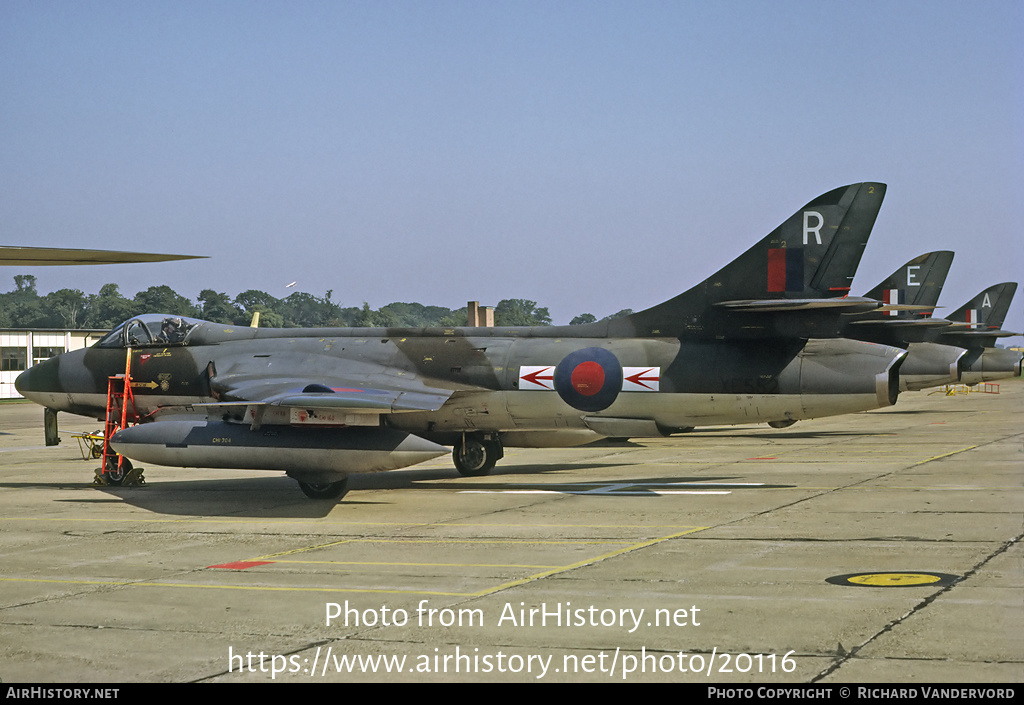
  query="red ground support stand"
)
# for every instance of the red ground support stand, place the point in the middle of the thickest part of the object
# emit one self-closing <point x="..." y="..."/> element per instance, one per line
<point x="116" y="469"/>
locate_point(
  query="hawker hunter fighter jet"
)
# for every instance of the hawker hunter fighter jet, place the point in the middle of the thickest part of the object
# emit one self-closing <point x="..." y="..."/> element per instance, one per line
<point x="910" y="294"/>
<point x="976" y="325"/>
<point x="757" y="342"/>
<point x="939" y="350"/>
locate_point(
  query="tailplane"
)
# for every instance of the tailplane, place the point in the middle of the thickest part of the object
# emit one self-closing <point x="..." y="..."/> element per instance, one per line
<point x="803" y="268"/>
<point x="988" y="309"/>
<point x="912" y="291"/>
<point x="909" y="294"/>
<point x="983" y="315"/>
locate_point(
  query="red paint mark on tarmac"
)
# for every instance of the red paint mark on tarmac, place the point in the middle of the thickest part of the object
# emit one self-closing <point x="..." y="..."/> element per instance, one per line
<point x="240" y="565"/>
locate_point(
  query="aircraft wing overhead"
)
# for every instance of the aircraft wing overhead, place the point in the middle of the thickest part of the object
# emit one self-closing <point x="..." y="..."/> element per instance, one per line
<point x="51" y="256"/>
<point x="336" y="396"/>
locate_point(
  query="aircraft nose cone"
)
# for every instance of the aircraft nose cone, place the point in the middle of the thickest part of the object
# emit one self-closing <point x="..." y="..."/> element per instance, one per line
<point x="22" y="383"/>
<point x="38" y="378"/>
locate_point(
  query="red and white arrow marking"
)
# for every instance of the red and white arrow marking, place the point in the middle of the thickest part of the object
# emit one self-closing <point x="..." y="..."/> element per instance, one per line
<point x="641" y="379"/>
<point x="532" y="377"/>
<point x="634" y="379"/>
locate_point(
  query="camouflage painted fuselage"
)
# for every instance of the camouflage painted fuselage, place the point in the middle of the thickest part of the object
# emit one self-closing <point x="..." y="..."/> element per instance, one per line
<point x="477" y="376"/>
<point x="756" y="342"/>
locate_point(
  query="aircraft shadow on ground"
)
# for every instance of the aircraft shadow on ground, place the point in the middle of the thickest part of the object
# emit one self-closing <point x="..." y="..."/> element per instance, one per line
<point x="774" y="434"/>
<point x="610" y="486"/>
<point x="909" y="412"/>
<point x="271" y="497"/>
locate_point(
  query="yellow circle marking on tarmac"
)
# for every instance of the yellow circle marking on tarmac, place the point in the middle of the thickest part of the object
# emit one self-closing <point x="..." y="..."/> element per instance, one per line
<point x="894" y="579"/>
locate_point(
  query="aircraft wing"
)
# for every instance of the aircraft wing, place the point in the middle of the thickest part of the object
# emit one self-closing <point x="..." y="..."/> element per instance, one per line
<point x="382" y="397"/>
<point x="46" y="256"/>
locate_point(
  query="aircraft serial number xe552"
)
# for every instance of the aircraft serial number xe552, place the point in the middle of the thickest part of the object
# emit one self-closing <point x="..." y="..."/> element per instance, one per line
<point x="756" y="342"/>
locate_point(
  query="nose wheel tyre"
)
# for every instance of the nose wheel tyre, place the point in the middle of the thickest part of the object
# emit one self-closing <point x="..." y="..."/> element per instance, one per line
<point x="116" y="475"/>
<point x="474" y="457"/>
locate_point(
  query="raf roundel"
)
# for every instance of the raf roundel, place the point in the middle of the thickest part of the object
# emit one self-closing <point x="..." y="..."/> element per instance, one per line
<point x="589" y="379"/>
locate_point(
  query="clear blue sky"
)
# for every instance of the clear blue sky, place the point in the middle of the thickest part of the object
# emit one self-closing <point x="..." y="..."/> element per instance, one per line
<point x="590" y="156"/>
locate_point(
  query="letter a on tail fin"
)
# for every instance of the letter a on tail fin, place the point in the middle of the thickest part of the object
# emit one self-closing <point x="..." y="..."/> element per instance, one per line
<point x="807" y="262"/>
<point x="987" y="310"/>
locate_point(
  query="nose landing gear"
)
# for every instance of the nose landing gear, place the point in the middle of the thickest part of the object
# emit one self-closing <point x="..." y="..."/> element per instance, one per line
<point x="113" y="474"/>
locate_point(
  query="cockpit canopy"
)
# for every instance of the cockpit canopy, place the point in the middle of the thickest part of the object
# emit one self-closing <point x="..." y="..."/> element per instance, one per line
<point x="150" y="330"/>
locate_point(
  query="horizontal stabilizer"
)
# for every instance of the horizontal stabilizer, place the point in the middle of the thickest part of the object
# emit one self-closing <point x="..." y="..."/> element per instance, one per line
<point x="905" y="307"/>
<point x="915" y="322"/>
<point x="846" y="304"/>
<point x="966" y="330"/>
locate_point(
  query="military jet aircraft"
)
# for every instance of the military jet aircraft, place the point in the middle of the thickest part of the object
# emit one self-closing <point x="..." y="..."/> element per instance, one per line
<point x="940" y="350"/>
<point x="910" y="295"/>
<point x="757" y="341"/>
<point x="976" y="326"/>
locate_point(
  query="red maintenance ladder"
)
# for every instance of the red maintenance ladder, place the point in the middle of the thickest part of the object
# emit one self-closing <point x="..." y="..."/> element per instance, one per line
<point x="117" y="469"/>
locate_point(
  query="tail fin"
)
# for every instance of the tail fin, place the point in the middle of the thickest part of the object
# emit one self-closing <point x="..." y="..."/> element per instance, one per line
<point x="807" y="262"/>
<point x="910" y="294"/>
<point x="986" y="311"/>
<point x="913" y="290"/>
<point x="977" y="327"/>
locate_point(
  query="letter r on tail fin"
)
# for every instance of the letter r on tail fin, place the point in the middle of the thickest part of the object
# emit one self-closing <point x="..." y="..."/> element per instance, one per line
<point x="812" y="255"/>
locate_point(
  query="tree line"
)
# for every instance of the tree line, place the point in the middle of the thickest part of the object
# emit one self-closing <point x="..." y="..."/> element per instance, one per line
<point x="24" y="307"/>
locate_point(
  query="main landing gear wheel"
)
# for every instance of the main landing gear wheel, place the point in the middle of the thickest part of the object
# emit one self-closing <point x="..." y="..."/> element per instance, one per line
<point x="670" y="430"/>
<point x="324" y="490"/>
<point x="116" y="475"/>
<point x="474" y="457"/>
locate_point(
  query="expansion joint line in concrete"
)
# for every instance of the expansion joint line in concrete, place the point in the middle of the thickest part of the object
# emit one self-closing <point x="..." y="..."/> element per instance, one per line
<point x="842" y="658"/>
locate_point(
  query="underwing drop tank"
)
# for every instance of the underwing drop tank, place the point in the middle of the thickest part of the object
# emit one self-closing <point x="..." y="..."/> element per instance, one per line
<point x="301" y="452"/>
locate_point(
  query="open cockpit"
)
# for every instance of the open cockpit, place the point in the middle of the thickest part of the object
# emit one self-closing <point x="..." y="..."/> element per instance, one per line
<point x="154" y="329"/>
